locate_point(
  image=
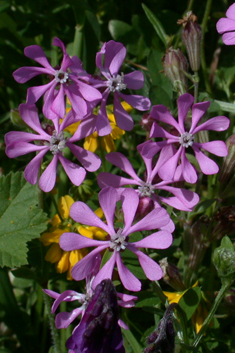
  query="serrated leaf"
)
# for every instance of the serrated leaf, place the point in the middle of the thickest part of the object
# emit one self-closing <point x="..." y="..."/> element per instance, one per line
<point x="20" y="219"/>
<point x="156" y="24"/>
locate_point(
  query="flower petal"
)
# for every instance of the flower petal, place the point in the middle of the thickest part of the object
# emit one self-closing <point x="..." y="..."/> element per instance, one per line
<point x="74" y="241"/>
<point x="127" y="278"/>
<point x="48" y="177"/>
<point x="184" y="103"/>
<point x="167" y="170"/>
<point x="106" y="271"/>
<point x="188" y="170"/>
<point x="155" y="219"/>
<point x="29" y="114"/>
<point x="207" y="165"/>
<point x="152" y="270"/>
<point x="218" y="148"/>
<point x="81" y="213"/>
<point x="187" y="197"/>
<point x="120" y="161"/>
<point x="89" y="160"/>
<point x="158" y="240"/>
<point x="161" y="113"/>
<point x="218" y="123"/>
<point x="108" y="179"/>
<point x="225" y="25"/>
<point x="63" y="320"/>
<point x="85" y="266"/>
<point x="123" y="119"/>
<point x="134" y="80"/>
<point x="138" y="102"/>
<point x="32" y="169"/>
<point x="198" y="110"/>
<point x="24" y="74"/>
<point x="130" y="203"/>
<point x="75" y="173"/>
<point x="108" y="198"/>
<point x="36" y="53"/>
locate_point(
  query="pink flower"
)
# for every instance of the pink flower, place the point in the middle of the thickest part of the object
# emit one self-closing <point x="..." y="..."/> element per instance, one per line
<point x="68" y="78"/>
<point x="64" y="319"/>
<point x="226" y="26"/>
<point x="109" y="60"/>
<point x="183" y="199"/>
<point x="185" y="138"/>
<point x="18" y="143"/>
<point x="118" y="238"/>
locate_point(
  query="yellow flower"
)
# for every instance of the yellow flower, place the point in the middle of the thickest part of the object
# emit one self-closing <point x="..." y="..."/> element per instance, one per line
<point x="200" y="313"/>
<point x="61" y="223"/>
<point x="93" y="141"/>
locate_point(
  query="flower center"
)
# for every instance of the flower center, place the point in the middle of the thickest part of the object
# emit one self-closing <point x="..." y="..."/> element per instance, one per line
<point x="186" y="139"/>
<point x="61" y="76"/>
<point x="116" y="83"/>
<point x="57" y="142"/>
<point x="146" y="189"/>
<point x="118" y="243"/>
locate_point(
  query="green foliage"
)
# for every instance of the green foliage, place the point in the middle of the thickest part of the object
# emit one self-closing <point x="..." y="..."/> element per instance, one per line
<point x="20" y="219"/>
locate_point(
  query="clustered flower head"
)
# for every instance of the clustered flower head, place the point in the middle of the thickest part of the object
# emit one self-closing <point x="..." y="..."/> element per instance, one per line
<point x="128" y="212"/>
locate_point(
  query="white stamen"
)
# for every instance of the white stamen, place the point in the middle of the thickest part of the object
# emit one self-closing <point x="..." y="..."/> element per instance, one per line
<point x="57" y="142"/>
<point x="146" y="189"/>
<point x="61" y="76"/>
<point x="116" y="83"/>
<point x="186" y="139"/>
<point x="118" y="243"/>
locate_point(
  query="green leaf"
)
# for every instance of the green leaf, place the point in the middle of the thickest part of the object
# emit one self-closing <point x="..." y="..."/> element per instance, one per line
<point x="158" y="95"/>
<point x="225" y="106"/>
<point x="190" y="301"/>
<point x="119" y="29"/>
<point x="20" y="219"/>
<point x="227" y="244"/>
<point x="158" y="78"/>
<point x="156" y="25"/>
<point x="132" y="341"/>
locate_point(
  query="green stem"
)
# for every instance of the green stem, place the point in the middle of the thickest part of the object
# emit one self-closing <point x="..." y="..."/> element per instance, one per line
<point x="63" y="305"/>
<point x="219" y="297"/>
<point x="203" y="58"/>
<point x="54" y="331"/>
<point x="196" y="84"/>
<point x="159" y="292"/>
<point x="77" y="43"/>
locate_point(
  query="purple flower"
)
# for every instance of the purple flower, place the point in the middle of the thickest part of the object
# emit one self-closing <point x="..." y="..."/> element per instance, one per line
<point x="185" y="138"/>
<point x="226" y="26"/>
<point x="98" y="331"/>
<point x="118" y="238"/>
<point x="18" y="143"/>
<point x="109" y="60"/>
<point x="64" y="319"/>
<point x="183" y="199"/>
<point x="68" y="78"/>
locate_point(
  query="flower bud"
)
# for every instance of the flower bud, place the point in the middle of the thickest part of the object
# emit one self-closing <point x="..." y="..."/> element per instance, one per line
<point x="171" y="275"/>
<point x="224" y="259"/>
<point x="229" y="160"/>
<point x="175" y="64"/>
<point x="145" y="206"/>
<point x="162" y="340"/>
<point x="192" y="38"/>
